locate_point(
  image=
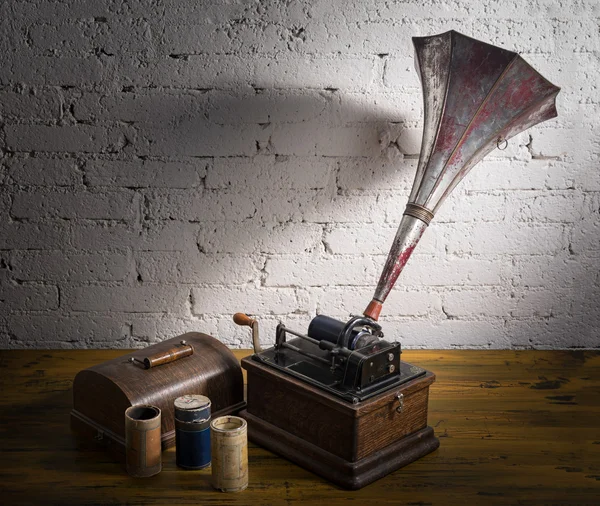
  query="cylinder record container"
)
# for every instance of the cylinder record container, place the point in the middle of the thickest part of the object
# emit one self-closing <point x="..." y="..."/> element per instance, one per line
<point x="192" y="431"/>
<point x="142" y="441"/>
<point x="229" y="439"/>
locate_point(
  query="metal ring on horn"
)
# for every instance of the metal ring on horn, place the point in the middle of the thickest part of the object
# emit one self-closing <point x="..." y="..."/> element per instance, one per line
<point x="500" y="142"/>
<point x="419" y="212"/>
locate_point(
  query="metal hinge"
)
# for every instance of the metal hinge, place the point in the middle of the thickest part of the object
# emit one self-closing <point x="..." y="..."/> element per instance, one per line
<point x="400" y="398"/>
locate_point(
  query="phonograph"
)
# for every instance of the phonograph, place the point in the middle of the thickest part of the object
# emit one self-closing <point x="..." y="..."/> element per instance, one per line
<point x="337" y="399"/>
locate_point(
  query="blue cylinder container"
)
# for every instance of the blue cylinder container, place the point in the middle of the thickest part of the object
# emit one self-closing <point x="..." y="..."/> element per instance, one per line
<point x="192" y="431"/>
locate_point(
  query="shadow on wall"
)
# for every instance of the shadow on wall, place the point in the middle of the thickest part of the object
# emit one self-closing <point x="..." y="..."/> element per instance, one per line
<point x="148" y="213"/>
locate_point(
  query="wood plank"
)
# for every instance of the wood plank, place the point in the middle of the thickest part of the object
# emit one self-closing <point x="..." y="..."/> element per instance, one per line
<point x="516" y="427"/>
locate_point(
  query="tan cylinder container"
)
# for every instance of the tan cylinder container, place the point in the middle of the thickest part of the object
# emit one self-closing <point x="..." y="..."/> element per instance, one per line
<point x="142" y="441"/>
<point x="229" y="443"/>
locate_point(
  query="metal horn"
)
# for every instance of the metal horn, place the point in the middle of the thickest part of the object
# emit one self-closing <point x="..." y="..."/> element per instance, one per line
<point x="476" y="96"/>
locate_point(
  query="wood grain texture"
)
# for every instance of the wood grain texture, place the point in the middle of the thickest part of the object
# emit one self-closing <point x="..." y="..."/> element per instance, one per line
<point x="351" y="432"/>
<point x="348" y="475"/>
<point x="516" y="427"/>
<point x="102" y="393"/>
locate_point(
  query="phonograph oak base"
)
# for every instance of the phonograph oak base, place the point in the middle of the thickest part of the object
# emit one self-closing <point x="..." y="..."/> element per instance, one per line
<point x="349" y="444"/>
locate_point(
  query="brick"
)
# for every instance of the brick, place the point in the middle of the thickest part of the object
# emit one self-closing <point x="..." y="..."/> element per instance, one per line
<point x="214" y="11"/>
<point x="76" y="9"/>
<point x="508" y="238"/>
<point x="81" y="331"/>
<point x="448" y="334"/>
<point x="271" y="106"/>
<point x="254" y="236"/>
<point x="62" y="38"/>
<point x="545" y="271"/>
<point x="270" y="172"/>
<point x="258" y="301"/>
<point x="560" y="142"/>
<point x="154" y="236"/>
<point x="242" y="37"/>
<point x="70" y="268"/>
<point x="586" y="238"/>
<point x="409" y="141"/>
<point x="539" y="303"/>
<point x="561" y="332"/>
<point x="150" y="329"/>
<point x="186" y="71"/>
<point x="424" y="270"/>
<point x="564" y="207"/>
<point x="199" y="139"/>
<point x="310" y="71"/>
<point x="146" y="173"/>
<point x="5" y="269"/>
<point x="128" y="299"/>
<point x="3" y="173"/>
<point x="228" y="71"/>
<point x="195" y="205"/>
<point x="198" y="205"/>
<point x="189" y="267"/>
<point x="496" y="175"/>
<point x="345" y="209"/>
<point x="27" y="297"/>
<point x="5" y="201"/>
<point x="323" y="140"/>
<point x="155" y="328"/>
<point x="135" y="35"/>
<point x="150" y="108"/>
<point x="400" y="73"/>
<point x="53" y="71"/>
<point x="576" y="35"/>
<point x="118" y="205"/>
<point x="33" y="235"/>
<point x="328" y="271"/>
<point x="30" y="104"/>
<point x="45" y="171"/>
<point x="376" y="174"/>
<point x="72" y="139"/>
<point x="377" y="106"/>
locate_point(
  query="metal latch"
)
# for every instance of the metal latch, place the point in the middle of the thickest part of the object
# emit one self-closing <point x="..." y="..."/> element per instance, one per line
<point x="400" y="398"/>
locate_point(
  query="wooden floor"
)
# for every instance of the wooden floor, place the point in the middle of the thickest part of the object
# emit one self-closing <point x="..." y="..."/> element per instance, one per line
<point x="518" y="427"/>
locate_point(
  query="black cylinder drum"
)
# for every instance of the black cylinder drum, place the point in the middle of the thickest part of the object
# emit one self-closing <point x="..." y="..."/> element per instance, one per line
<point x="325" y="328"/>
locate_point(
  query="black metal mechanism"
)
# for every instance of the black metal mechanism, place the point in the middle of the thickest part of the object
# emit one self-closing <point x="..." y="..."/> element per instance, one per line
<point x="350" y="360"/>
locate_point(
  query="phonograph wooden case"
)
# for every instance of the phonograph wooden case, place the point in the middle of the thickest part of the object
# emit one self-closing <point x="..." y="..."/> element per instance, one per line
<point x="337" y="399"/>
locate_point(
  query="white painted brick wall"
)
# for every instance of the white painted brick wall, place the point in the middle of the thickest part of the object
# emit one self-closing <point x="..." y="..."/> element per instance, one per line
<point x="166" y="164"/>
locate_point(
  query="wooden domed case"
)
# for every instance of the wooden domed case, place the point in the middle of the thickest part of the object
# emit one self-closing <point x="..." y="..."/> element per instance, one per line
<point x="192" y="363"/>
